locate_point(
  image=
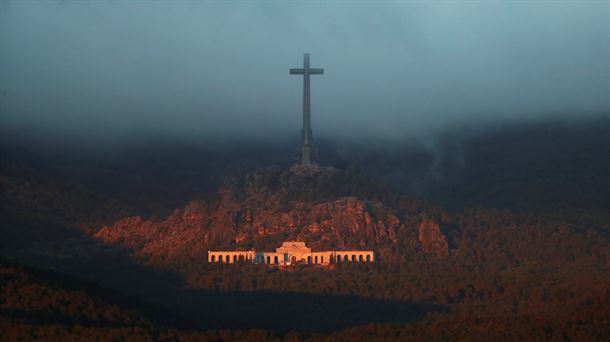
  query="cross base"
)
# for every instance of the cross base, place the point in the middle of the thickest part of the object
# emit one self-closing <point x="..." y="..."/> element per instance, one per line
<point x="309" y="170"/>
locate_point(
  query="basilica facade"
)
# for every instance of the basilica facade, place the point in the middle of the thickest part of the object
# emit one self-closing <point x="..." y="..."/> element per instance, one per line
<point x="290" y="253"/>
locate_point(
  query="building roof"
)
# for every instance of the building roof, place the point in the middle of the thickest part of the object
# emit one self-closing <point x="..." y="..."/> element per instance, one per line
<point x="293" y="244"/>
<point x="292" y="247"/>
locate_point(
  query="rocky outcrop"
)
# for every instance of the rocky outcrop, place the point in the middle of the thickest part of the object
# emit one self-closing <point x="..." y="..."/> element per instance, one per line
<point x="432" y="240"/>
<point x="262" y="213"/>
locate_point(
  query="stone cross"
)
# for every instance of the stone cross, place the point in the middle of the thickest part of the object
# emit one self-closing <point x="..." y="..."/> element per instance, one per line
<point x="307" y="151"/>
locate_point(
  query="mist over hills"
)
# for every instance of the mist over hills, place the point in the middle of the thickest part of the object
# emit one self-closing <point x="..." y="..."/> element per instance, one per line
<point x="542" y="167"/>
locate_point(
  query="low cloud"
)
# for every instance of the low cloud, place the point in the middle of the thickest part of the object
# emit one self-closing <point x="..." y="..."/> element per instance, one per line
<point x="113" y="70"/>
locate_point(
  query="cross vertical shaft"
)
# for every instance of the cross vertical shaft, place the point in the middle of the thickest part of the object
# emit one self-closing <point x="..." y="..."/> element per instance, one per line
<point x="307" y="151"/>
<point x="306" y="130"/>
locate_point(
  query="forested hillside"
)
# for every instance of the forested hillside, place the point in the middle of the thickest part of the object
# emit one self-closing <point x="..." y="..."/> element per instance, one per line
<point x="497" y="227"/>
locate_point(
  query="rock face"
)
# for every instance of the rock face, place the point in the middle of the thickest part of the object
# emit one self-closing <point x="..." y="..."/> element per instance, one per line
<point x="433" y="241"/>
<point x="262" y="213"/>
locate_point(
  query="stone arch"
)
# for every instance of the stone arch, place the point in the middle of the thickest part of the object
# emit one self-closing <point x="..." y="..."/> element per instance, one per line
<point x="322" y="259"/>
<point x="360" y="258"/>
<point x="268" y="259"/>
<point x="353" y="257"/>
<point x="242" y="258"/>
<point x="234" y="258"/>
<point x="213" y="258"/>
<point x="368" y="257"/>
<point x="275" y="260"/>
<point x="309" y="259"/>
<point x="315" y="259"/>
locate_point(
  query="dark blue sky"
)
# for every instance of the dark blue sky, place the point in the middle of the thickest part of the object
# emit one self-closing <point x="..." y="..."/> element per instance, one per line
<point x="203" y="70"/>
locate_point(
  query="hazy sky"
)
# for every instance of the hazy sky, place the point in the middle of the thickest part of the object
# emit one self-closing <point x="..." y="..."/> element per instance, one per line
<point x="201" y="70"/>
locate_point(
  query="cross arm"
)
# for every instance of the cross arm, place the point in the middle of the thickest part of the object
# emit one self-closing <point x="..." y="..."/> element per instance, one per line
<point x="311" y="71"/>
